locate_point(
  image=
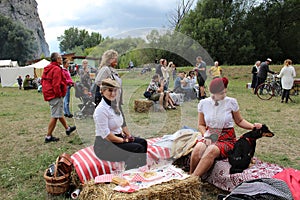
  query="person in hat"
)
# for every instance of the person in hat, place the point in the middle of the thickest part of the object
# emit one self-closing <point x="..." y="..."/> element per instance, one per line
<point x="111" y="143"/>
<point x="216" y="118"/>
<point x="263" y="73"/>
<point x="107" y="69"/>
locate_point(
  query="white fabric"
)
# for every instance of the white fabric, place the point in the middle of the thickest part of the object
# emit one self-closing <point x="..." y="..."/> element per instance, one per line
<point x="9" y="75"/>
<point x="218" y="116"/>
<point x="287" y="75"/>
<point x="165" y="71"/>
<point x="106" y="121"/>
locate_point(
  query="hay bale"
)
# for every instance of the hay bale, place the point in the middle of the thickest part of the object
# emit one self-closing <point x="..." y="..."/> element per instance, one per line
<point x="142" y="105"/>
<point x="187" y="189"/>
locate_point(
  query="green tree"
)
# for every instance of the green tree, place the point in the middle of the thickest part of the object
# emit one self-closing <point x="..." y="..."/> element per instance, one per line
<point x="74" y="38"/>
<point x="242" y="31"/>
<point x="17" y="42"/>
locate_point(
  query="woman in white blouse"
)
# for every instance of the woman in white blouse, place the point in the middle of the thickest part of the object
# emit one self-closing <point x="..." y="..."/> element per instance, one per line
<point x="287" y="74"/>
<point x="216" y="118"/>
<point x="111" y="142"/>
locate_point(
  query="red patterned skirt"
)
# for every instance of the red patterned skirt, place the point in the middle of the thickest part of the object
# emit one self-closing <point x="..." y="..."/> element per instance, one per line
<point x="225" y="142"/>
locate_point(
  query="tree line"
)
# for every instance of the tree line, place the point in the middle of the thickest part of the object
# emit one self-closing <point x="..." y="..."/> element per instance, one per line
<point x="243" y="31"/>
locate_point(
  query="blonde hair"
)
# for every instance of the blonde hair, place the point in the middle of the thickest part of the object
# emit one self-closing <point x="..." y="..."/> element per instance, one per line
<point x="85" y="67"/>
<point x="288" y="62"/>
<point x="107" y="56"/>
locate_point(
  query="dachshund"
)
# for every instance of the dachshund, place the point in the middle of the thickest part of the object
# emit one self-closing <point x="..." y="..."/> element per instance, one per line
<point x="244" y="148"/>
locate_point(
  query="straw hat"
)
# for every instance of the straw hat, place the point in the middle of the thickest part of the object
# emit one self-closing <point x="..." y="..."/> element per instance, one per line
<point x="110" y="83"/>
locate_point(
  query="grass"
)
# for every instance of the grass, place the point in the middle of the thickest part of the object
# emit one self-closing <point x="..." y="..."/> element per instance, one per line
<point x="24" y="117"/>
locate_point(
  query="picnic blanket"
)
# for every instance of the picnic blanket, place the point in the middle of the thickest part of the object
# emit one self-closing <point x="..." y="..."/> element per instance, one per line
<point x="219" y="175"/>
<point x="88" y="165"/>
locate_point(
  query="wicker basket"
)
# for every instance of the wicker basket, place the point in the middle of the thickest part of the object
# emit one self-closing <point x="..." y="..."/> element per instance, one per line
<point x="58" y="183"/>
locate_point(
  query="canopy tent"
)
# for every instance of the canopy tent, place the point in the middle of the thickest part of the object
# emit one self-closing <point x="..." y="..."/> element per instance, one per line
<point x="9" y="75"/>
<point x="39" y="67"/>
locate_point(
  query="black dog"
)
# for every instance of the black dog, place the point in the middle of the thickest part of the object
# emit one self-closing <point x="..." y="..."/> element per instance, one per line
<point x="244" y="149"/>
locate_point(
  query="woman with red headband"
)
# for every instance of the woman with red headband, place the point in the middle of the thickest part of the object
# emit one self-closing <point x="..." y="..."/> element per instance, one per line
<point x="216" y="118"/>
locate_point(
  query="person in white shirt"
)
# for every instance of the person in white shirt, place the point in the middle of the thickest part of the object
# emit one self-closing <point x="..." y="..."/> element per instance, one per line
<point x="111" y="143"/>
<point x="216" y="118"/>
<point x="287" y="74"/>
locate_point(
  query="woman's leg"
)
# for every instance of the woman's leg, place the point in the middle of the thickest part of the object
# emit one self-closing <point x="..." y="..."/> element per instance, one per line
<point x="196" y="155"/>
<point x="206" y="162"/>
<point x="287" y="96"/>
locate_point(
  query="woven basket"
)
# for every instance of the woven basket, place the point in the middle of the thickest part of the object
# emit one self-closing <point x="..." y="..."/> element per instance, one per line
<point x="55" y="184"/>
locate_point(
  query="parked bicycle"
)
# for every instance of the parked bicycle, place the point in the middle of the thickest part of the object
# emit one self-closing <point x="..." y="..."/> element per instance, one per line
<point x="269" y="89"/>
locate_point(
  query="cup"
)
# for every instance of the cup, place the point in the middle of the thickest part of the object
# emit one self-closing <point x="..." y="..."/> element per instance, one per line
<point x="75" y="194"/>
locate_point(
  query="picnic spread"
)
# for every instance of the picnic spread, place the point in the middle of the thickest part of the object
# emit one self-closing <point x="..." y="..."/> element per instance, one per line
<point x="160" y="177"/>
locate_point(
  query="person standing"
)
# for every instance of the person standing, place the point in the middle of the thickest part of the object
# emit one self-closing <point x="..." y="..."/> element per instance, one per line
<point x="174" y="71"/>
<point x="54" y="89"/>
<point x="20" y="81"/>
<point x="158" y="68"/>
<point x="84" y="74"/>
<point x="165" y="69"/>
<point x="216" y="71"/>
<point x="263" y="73"/>
<point x="200" y="69"/>
<point x="287" y="74"/>
<point x="216" y="118"/>
<point x="254" y="72"/>
<point x="70" y="84"/>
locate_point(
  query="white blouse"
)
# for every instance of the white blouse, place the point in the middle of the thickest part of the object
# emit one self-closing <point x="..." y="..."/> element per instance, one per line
<point x="106" y="120"/>
<point x="218" y="116"/>
<point x="287" y="75"/>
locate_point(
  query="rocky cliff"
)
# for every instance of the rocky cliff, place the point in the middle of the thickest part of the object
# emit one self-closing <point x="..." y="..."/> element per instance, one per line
<point x="25" y="11"/>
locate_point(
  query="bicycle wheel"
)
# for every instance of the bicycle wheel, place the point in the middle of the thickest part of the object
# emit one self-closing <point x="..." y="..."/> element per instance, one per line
<point x="265" y="91"/>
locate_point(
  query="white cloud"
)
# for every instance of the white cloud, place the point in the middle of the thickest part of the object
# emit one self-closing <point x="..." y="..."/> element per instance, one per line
<point x="106" y="17"/>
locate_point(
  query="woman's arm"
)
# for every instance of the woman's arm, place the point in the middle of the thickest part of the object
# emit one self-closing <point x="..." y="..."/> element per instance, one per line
<point x="112" y="138"/>
<point x="238" y="119"/>
<point x="201" y="123"/>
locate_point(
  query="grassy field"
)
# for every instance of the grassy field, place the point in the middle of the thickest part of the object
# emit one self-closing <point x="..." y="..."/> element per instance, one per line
<point x="24" y="117"/>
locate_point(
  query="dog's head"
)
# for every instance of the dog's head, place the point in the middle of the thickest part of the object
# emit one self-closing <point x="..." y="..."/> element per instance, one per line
<point x="258" y="133"/>
<point x="262" y="132"/>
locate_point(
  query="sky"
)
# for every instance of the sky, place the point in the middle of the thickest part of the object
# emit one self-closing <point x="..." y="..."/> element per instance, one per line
<point x="107" y="17"/>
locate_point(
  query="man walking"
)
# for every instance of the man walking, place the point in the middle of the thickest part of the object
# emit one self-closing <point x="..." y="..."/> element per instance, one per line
<point x="54" y="89"/>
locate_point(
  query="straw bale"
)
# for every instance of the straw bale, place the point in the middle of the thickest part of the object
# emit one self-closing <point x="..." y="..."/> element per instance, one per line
<point x="142" y="105"/>
<point x="187" y="189"/>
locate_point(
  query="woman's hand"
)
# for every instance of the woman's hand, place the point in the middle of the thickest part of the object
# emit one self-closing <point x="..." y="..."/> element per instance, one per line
<point x="257" y="125"/>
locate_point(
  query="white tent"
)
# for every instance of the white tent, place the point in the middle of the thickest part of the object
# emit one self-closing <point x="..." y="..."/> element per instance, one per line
<point x="39" y="67"/>
<point x="9" y="75"/>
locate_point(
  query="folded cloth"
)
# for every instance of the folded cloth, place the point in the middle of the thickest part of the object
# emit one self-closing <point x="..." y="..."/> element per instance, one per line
<point x="181" y="142"/>
<point x="292" y="178"/>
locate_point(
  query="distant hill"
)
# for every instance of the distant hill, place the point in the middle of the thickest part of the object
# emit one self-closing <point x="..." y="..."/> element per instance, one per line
<point x="25" y="12"/>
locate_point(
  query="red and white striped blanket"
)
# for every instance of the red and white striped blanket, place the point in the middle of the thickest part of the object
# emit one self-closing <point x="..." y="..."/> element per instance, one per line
<point x="88" y="165"/>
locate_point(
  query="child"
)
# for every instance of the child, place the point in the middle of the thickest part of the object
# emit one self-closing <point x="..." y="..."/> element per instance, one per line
<point x="20" y="82"/>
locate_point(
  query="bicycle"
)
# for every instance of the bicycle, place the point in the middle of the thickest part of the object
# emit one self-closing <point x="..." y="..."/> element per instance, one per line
<point x="269" y="89"/>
